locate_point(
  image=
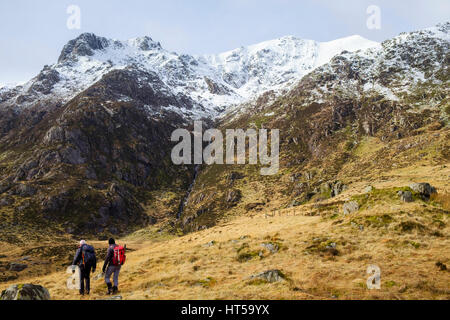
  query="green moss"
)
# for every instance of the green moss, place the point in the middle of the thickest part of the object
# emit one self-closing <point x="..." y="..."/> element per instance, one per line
<point x="207" y="283"/>
<point x="379" y="221"/>
<point x="390" y="284"/>
<point x="248" y="255"/>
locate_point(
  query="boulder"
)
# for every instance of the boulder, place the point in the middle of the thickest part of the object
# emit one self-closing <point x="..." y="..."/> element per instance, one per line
<point x="350" y="207"/>
<point x="334" y="188"/>
<point x="272" y="247"/>
<point x="368" y="189"/>
<point x="25" y="292"/>
<point x="424" y="189"/>
<point x="337" y="188"/>
<point x="17" y="267"/>
<point x="270" y="276"/>
<point x="233" y="196"/>
<point x="405" y="196"/>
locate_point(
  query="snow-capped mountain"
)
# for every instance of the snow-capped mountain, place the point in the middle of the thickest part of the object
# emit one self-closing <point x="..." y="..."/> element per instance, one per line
<point x="212" y="82"/>
<point x="411" y="62"/>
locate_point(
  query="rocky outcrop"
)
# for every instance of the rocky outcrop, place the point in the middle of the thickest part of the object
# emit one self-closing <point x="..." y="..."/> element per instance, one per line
<point x="425" y="190"/>
<point x="350" y="207"/>
<point x="270" y="276"/>
<point x="25" y="292"/>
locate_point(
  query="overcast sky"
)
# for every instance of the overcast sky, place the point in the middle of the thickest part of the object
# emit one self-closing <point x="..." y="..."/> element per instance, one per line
<point x="32" y="33"/>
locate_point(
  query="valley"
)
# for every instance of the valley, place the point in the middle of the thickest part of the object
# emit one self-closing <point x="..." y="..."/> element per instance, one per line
<point x="363" y="179"/>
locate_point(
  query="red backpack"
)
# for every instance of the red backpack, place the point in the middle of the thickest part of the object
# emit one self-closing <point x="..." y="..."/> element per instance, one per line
<point x="119" y="256"/>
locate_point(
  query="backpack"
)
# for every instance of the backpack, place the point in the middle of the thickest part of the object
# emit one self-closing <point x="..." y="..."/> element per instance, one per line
<point x="119" y="256"/>
<point x="88" y="255"/>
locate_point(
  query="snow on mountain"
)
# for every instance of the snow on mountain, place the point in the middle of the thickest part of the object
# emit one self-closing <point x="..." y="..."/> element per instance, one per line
<point x="411" y="68"/>
<point x="213" y="82"/>
<point x="327" y="50"/>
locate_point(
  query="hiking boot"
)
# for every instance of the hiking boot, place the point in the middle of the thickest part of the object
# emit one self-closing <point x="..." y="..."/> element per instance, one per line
<point x="115" y="290"/>
<point x="110" y="289"/>
<point x="87" y="292"/>
<point x="82" y="292"/>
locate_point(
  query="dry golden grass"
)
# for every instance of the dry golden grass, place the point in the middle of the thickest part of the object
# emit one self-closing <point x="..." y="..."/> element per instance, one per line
<point x="443" y="199"/>
<point x="405" y="240"/>
<point x="187" y="268"/>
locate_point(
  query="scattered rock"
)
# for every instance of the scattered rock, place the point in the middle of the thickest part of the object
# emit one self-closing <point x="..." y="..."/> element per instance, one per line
<point x="359" y="226"/>
<point x="368" y="189"/>
<point x="424" y="189"/>
<point x="295" y="177"/>
<point x="26" y="258"/>
<point x="210" y="244"/>
<point x="331" y="246"/>
<point x="116" y="298"/>
<point x="270" y="276"/>
<point x="254" y="205"/>
<point x="272" y="247"/>
<point x="25" y="292"/>
<point x="405" y="196"/>
<point x="17" y="267"/>
<point x="350" y="207"/>
<point x="334" y="188"/>
<point x="233" y="176"/>
<point x="441" y="266"/>
<point x="233" y="196"/>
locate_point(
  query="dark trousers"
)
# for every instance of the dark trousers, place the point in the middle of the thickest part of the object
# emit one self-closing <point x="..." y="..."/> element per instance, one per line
<point x="112" y="271"/>
<point x="85" y="277"/>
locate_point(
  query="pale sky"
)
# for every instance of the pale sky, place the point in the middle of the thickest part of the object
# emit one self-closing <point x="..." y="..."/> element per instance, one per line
<point x="32" y="33"/>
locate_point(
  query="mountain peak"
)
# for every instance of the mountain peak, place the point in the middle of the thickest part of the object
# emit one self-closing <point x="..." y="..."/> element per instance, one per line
<point x="84" y="45"/>
<point x="144" y="43"/>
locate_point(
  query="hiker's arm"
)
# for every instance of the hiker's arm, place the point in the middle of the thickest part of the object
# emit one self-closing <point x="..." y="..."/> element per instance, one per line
<point x="77" y="257"/>
<point x="108" y="258"/>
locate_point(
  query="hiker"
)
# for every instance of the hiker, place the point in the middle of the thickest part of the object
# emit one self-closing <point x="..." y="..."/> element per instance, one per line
<point x="86" y="260"/>
<point x="115" y="258"/>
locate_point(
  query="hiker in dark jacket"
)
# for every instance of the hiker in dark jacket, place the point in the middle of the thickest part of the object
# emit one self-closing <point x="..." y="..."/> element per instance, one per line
<point x="85" y="259"/>
<point x="110" y="269"/>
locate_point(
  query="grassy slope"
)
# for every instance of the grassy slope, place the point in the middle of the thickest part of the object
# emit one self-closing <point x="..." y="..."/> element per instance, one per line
<point x="185" y="268"/>
<point x="405" y="240"/>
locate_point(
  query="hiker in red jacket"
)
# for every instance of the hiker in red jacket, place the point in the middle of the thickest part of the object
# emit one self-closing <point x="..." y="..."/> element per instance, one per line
<point x="115" y="258"/>
<point x="86" y="260"/>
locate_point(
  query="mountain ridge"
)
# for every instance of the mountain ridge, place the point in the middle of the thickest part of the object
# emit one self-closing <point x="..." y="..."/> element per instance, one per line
<point x="212" y="82"/>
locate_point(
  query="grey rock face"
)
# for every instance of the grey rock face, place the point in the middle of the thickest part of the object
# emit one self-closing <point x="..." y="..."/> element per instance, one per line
<point x="24" y="190"/>
<point x="351" y="207"/>
<point x="233" y="196"/>
<point x="25" y="292"/>
<point x="334" y="187"/>
<point x="84" y="45"/>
